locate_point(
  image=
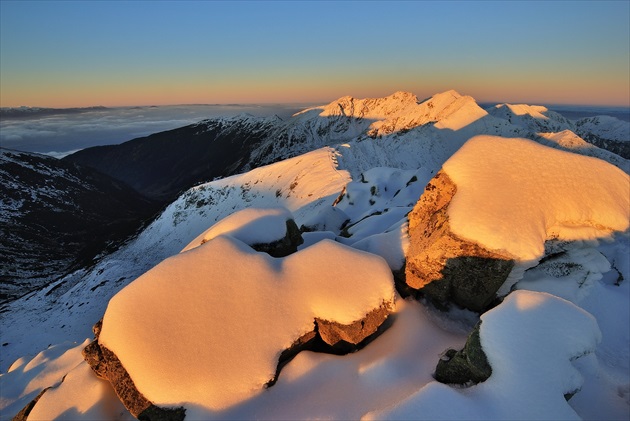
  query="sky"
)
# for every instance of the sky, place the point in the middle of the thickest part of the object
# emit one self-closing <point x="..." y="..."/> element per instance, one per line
<point x="119" y="53"/>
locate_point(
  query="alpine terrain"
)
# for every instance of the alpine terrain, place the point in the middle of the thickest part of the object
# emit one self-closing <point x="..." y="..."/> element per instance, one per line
<point x="380" y="258"/>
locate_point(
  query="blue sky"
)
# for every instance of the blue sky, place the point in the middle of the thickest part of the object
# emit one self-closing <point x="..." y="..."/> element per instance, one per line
<point x="163" y="52"/>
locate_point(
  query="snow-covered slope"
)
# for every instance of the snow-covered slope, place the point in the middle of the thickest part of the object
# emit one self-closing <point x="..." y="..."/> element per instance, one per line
<point x="55" y="217"/>
<point x="67" y="308"/>
<point x="605" y="127"/>
<point x="534" y="118"/>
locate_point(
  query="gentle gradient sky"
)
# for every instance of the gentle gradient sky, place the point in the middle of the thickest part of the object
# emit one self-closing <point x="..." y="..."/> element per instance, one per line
<point x="83" y="53"/>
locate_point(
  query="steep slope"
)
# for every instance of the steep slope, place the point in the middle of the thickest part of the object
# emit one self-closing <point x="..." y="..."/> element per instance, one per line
<point x="606" y="132"/>
<point x="162" y="165"/>
<point x="56" y="216"/>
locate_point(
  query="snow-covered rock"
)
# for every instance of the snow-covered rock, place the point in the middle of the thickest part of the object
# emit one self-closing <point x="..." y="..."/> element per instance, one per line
<point x="513" y="194"/>
<point x="496" y="202"/>
<point x="207" y="327"/>
<point x="529" y="340"/>
<point x="447" y="267"/>
<point x="271" y="230"/>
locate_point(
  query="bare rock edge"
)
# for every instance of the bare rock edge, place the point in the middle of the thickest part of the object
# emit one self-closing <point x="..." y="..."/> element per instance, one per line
<point x="442" y="266"/>
<point x="326" y="336"/>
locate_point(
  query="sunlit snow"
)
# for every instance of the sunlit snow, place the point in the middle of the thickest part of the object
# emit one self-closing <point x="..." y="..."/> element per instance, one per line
<point x="513" y="194"/>
<point x="206" y="327"/>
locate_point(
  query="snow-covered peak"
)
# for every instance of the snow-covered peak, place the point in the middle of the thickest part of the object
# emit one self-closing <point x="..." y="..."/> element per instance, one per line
<point x="536" y="111"/>
<point x="399" y="112"/>
<point x="535" y="118"/>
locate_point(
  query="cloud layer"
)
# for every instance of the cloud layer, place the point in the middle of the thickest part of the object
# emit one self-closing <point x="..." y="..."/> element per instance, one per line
<point x="61" y="134"/>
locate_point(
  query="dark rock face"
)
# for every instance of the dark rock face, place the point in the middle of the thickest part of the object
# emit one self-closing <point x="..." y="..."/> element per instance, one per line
<point x="284" y="246"/>
<point x="444" y="267"/>
<point x="57" y="216"/>
<point x="163" y="164"/>
<point x="108" y="367"/>
<point x="24" y="413"/>
<point x="465" y="366"/>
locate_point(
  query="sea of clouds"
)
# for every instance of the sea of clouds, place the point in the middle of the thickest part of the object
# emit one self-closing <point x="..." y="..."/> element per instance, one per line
<point x="59" y="134"/>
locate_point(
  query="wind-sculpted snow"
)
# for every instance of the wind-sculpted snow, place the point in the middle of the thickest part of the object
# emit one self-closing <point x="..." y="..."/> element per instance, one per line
<point x="207" y="327"/>
<point x="530" y="341"/>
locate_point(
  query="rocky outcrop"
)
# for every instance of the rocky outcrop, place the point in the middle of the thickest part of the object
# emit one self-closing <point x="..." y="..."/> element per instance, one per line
<point x="336" y="338"/>
<point x="236" y="323"/>
<point x="349" y="338"/>
<point x="284" y="246"/>
<point x="327" y="336"/>
<point x="465" y="366"/>
<point x="444" y="267"/>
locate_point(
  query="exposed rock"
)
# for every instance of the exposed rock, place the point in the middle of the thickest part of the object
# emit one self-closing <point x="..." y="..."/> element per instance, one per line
<point x="444" y="267"/>
<point x="108" y="367"/>
<point x="465" y="366"/>
<point x="24" y="413"/>
<point x="284" y="246"/>
<point x="347" y="338"/>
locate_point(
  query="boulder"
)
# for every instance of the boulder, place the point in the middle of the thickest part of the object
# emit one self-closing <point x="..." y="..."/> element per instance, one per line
<point x="284" y="246"/>
<point x="272" y="231"/>
<point x="444" y="267"/>
<point x="469" y="365"/>
<point x="216" y="323"/>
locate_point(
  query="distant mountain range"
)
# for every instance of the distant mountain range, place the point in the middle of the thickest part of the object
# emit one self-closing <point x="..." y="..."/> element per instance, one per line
<point x="164" y="164"/>
<point x="29" y="112"/>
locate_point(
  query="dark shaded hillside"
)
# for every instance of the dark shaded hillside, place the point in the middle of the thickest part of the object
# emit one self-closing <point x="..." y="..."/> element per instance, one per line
<point x="163" y="164"/>
<point x="56" y="216"/>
